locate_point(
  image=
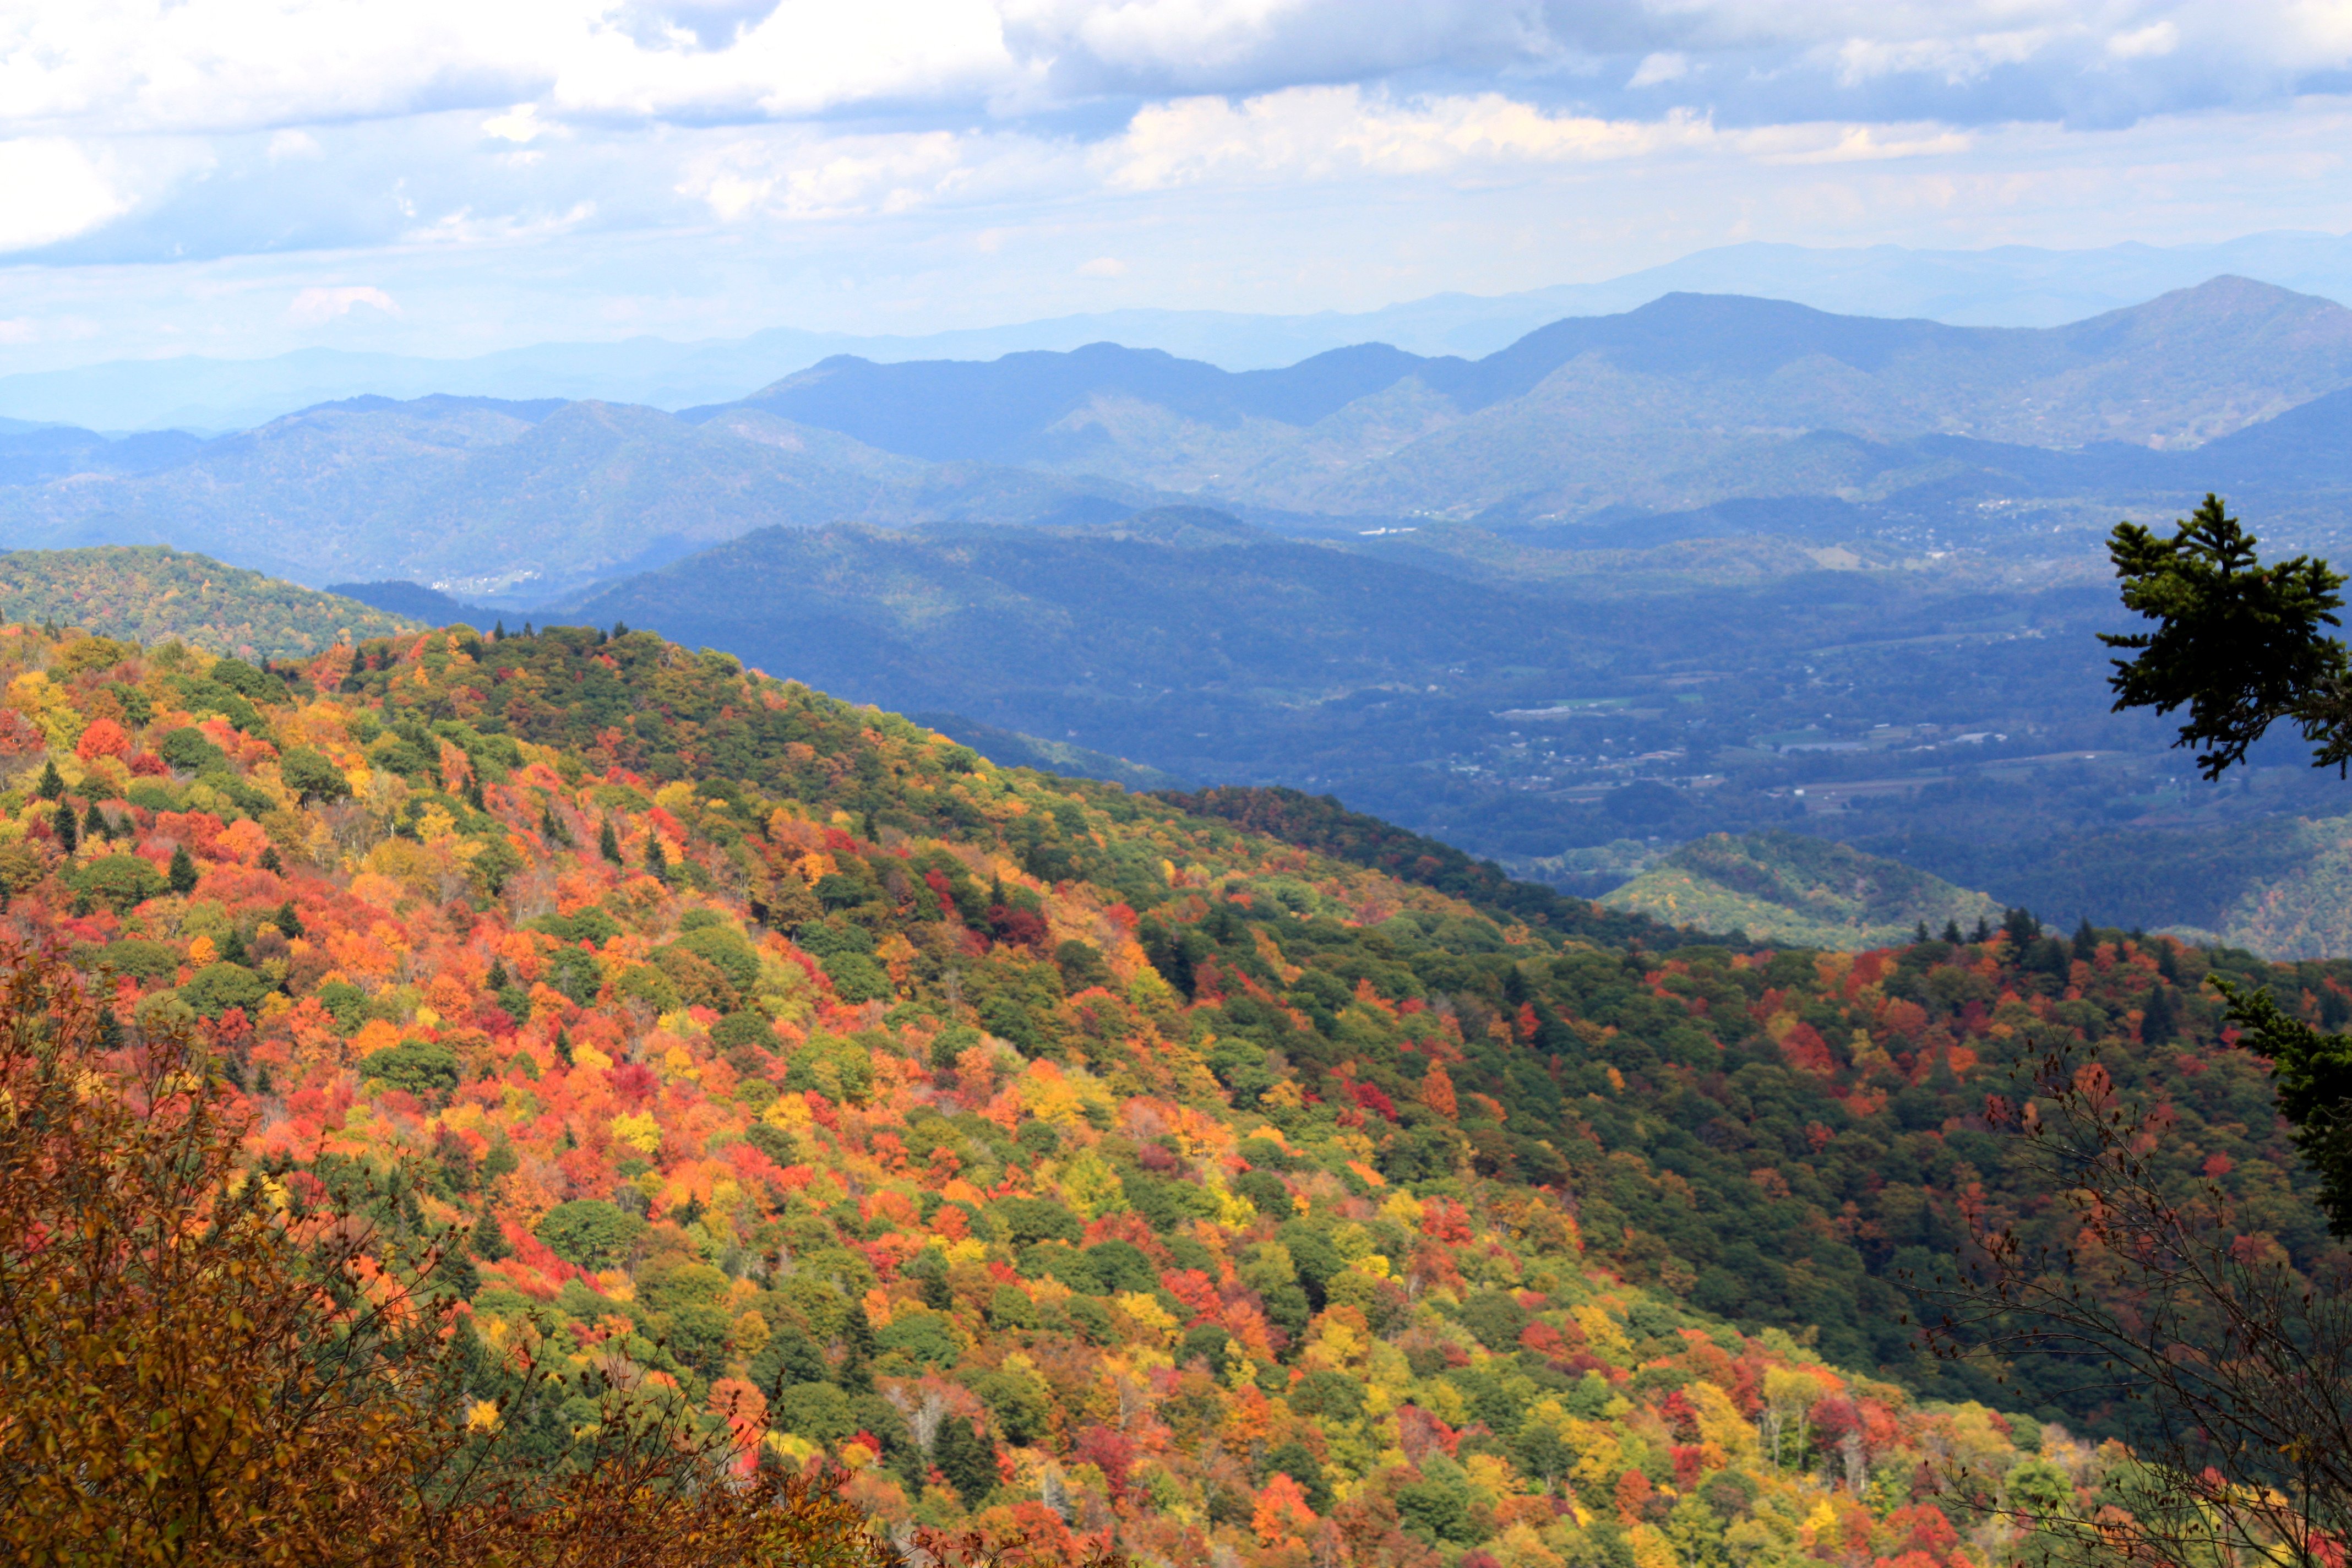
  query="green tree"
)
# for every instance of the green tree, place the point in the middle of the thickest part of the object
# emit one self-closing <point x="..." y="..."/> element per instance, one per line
<point x="183" y="874"/>
<point x="311" y="775"/>
<point x="217" y="988"/>
<point x="422" y="1068"/>
<point x="2242" y="646"/>
<point x="122" y="882"/>
<point x="590" y="1232"/>
<point x="62" y="822"/>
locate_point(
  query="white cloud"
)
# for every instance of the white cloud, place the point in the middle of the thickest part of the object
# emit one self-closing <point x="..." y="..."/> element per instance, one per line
<point x="2151" y="42"/>
<point x="1956" y="60"/>
<point x="55" y="190"/>
<point x="212" y="67"/>
<point x="1323" y="133"/>
<point x="519" y="124"/>
<point x="316" y="307"/>
<point x="464" y="227"/>
<point x="801" y="176"/>
<point x="147" y="129"/>
<point x="1664" y="66"/>
<point x="1103" y="267"/>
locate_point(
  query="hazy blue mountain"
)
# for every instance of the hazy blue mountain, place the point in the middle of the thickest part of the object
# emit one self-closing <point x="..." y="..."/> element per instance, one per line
<point x="508" y="501"/>
<point x="401" y="597"/>
<point x="30" y="454"/>
<point x="2006" y="286"/>
<point x="1696" y="416"/>
<point x="1675" y="404"/>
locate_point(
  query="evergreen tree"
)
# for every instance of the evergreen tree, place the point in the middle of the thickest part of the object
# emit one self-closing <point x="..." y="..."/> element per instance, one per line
<point x="967" y="1460"/>
<point x="95" y="824"/>
<point x="2161" y="1022"/>
<point x="563" y="1048"/>
<point x="657" y="862"/>
<point x="551" y="827"/>
<point x="51" y="786"/>
<point x="858" y="1337"/>
<point x="271" y="861"/>
<point x="182" y="878"/>
<point x="1952" y="932"/>
<point x="1984" y="932"/>
<point x="2086" y="941"/>
<point x="288" y="923"/>
<point x="1921" y="934"/>
<point x="608" y="843"/>
<point x="61" y="821"/>
<point x="2020" y="927"/>
<point x="233" y="951"/>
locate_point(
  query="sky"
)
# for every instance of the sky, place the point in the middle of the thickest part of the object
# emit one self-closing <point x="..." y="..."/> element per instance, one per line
<point x="243" y="177"/>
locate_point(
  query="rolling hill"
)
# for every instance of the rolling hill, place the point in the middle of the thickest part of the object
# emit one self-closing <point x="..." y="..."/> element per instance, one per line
<point x="1807" y="892"/>
<point x="146" y="593"/>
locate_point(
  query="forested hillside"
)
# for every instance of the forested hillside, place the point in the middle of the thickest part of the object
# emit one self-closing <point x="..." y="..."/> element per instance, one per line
<point x="1784" y="887"/>
<point x="1052" y="1157"/>
<point x="146" y="593"/>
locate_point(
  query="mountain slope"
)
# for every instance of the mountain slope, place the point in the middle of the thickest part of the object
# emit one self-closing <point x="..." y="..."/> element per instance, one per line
<point x="149" y="594"/>
<point x="1052" y="1158"/>
<point x="1806" y="892"/>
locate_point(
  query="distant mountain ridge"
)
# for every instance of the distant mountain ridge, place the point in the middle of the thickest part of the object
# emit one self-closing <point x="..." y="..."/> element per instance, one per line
<point x="2010" y="285"/>
<point x="1588" y="412"/>
<point x="487" y="496"/>
<point x="1686" y="411"/>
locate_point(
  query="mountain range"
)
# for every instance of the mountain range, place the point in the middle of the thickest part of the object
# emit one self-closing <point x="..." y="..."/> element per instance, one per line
<point x="1737" y="565"/>
<point x="1685" y="404"/>
<point x="1677" y="402"/>
<point x="2006" y="286"/>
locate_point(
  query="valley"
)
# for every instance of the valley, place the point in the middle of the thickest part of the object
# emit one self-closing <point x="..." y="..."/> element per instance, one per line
<point x="1821" y="573"/>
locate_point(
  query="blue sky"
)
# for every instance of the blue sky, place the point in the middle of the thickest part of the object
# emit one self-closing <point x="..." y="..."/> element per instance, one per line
<point x="451" y="176"/>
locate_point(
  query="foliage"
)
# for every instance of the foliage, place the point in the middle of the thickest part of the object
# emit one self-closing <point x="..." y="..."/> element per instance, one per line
<point x="2231" y="1364"/>
<point x="147" y="593"/>
<point x="2313" y="1073"/>
<point x="1807" y="892"/>
<point x="1137" y="1147"/>
<point x="2241" y="645"/>
<point x="2237" y="643"/>
<point x="207" y="1361"/>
